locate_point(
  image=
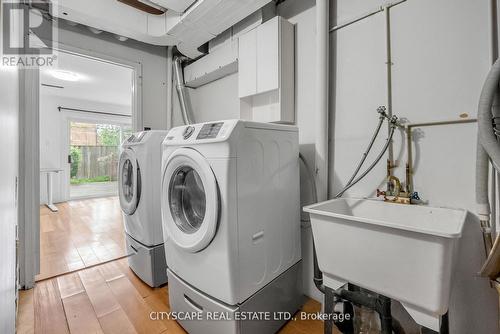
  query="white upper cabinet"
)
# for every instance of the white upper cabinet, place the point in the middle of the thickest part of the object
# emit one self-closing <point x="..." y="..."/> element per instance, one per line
<point x="259" y="58"/>
<point x="247" y="64"/>
<point x="268" y="53"/>
<point x="266" y="72"/>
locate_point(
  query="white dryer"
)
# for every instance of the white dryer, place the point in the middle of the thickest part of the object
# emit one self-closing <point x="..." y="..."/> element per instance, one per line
<point x="231" y="222"/>
<point x="139" y="179"/>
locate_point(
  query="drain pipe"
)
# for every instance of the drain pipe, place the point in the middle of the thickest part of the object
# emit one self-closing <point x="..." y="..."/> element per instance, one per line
<point x="496" y="113"/>
<point x="321" y="141"/>
<point x="488" y="146"/>
<point x="482" y="200"/>
<point x="486" y="138"/>
<point x="181" y="89"/>
<point x="488" y="141"/>
<point x="322" y="56"/>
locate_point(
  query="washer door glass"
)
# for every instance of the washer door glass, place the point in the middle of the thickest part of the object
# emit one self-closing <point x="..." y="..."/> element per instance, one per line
<point x="187" y="199"/>
<point x="190" y="200"/>
<point x="129" y="182"/>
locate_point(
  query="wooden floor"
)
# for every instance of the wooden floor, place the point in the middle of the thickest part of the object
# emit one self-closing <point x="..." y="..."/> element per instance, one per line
<point x="109" y="298"/>
<point x="83" y="233"/>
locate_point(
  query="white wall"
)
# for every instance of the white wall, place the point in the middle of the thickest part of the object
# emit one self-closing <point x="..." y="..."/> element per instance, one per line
<point x="53" y="135"/>
<point x="9" y="150"/>
<point x="151" y="58"/>
<point x="207" y="104"/>
<point x="441" y="56"/>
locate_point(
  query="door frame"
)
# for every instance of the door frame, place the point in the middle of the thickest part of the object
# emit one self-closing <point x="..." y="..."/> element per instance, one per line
<point x="28" y="257"/>
<point x="72" y="116"/>
<point x="136" y="67"/>
<point x="29" y="160"/>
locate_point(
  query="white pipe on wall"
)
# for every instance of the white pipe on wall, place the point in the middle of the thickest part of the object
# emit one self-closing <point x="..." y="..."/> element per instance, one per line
<point x="322" y="75"/>
<point x="494" y="189"/>
<point x="366" y="15"/>
<point x="388" y="49"/>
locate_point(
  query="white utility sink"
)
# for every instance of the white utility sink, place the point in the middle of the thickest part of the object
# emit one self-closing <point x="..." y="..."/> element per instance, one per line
<point x="405" y="252"/>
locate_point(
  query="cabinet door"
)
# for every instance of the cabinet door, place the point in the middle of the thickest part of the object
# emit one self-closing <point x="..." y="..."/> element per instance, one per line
<point x="268" y="52"/>
<point x="247" y="64"/>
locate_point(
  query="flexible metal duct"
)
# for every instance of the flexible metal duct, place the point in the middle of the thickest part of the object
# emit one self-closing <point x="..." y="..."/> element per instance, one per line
<point x="182" y="90"/>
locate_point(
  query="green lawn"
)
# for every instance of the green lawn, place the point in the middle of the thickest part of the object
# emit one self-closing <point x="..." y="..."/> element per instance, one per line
<point x="92" y="180"/>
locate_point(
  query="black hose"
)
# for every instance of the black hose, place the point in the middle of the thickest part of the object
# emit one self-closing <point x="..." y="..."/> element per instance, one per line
<point x="318" y="274"/>
<point x="314" y="190"/>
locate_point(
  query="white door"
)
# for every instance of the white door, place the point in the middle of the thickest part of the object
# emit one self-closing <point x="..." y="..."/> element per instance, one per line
<point x="190" y="200"/>
<point x="129" y="182"/>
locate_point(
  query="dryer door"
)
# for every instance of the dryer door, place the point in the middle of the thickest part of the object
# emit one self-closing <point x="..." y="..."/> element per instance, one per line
<point x="129" y="181"/>
<point x="190" y="200"/>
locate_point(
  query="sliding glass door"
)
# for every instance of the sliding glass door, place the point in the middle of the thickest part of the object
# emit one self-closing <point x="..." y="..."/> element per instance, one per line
<point x="94" y="152"/>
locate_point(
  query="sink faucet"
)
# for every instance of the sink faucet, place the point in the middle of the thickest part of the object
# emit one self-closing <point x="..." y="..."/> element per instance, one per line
<point x="395" y="194"/>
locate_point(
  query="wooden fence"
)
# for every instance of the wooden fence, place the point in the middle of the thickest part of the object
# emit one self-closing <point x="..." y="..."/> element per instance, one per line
<point x="98" y="161"/>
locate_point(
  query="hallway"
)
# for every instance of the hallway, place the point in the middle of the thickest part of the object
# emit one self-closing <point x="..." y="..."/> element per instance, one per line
<point x="94" y="190"/>
<point x="83" y="233"/>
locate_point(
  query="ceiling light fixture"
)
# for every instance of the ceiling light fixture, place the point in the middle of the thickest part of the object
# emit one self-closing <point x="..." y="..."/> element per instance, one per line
<point x="65" y="75"/>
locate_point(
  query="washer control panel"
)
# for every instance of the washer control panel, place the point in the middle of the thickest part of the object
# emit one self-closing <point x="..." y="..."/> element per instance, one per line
<point x="203" y="132"/>
<point x="209" y="130"/>
<point x="136" y="137"/>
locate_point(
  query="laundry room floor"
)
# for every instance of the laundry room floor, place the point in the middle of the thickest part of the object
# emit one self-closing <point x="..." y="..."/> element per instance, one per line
<point x="109" y="298"/>
<point x="83" y="233"/>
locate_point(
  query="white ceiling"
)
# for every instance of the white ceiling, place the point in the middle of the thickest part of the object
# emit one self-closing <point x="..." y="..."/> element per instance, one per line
<point x="99" y="81"/>
<point x="195" y="23"/>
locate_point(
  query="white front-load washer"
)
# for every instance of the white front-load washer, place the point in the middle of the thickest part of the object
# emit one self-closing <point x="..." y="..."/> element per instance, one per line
<point x="139" y="179"/>
<point x="231" y="222"/>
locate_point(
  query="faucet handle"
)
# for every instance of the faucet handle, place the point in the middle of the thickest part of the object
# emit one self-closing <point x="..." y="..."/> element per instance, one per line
<point x="381" y="193"/>
<point x="415" y="196"/>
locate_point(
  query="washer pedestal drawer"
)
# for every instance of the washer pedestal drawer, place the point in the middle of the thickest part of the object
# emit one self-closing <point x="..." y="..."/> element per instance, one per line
<point x="147" y="262"/>
<point x="265" y="312"/>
